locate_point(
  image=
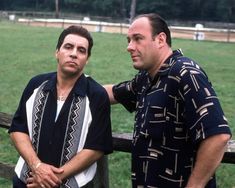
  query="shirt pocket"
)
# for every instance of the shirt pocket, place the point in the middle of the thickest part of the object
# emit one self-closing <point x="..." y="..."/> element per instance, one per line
<point x="156" y="122"/>
<point x="154" y="116"/>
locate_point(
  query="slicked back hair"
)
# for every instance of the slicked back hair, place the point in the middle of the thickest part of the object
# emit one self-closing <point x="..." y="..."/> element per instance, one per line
<point x="158" y="25"/>
<point x="76" y="30"/>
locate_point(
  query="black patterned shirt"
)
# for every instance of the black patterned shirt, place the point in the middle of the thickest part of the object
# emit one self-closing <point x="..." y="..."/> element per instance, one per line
<point x="174" y="112"/>
<point x="83" y="123"/>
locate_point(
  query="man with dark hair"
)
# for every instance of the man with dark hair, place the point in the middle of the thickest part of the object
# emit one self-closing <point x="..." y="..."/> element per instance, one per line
<point x="180" y="131"/>
<point x="62" y="125"/>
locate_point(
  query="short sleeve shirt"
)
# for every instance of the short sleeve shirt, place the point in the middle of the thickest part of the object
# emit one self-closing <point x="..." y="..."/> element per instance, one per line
<point x="175" y="111"/>
<point x="83" y="121"/>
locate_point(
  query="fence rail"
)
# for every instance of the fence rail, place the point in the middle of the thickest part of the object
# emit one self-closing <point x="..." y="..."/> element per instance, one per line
<point x="121" y="142"/>
<point x="211" y="32"/>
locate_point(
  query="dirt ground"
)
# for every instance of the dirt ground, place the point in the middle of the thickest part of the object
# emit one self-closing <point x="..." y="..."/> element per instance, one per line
<point x="222" y="35"/>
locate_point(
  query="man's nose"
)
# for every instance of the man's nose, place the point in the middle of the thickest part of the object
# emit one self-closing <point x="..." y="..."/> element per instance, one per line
<point x="130" y="46"/>
<point x="74" y="53"/>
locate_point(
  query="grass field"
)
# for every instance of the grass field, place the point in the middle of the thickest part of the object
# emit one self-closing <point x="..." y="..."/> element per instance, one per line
<point x="26" y="51"/>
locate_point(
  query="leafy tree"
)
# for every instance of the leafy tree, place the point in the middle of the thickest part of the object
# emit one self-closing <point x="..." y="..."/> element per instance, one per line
<point x="226" y="10"/>
<point x="194" y="10"/>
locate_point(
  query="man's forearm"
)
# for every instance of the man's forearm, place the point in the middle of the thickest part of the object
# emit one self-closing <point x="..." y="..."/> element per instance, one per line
<point x="209" y="156"/>
<point x="80" y="162"/>
<point x="109" y="90"/>
<point x="24" y="147"/>
<point x="44" y="174"/>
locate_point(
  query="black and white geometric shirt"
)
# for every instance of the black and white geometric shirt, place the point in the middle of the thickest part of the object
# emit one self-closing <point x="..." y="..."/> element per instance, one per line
<point x="83" y="123"/>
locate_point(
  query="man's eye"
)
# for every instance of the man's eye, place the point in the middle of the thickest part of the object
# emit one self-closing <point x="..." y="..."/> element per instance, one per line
<point x="82" y="50"/>
<point x="67" y="46"/>
<point x="137" y="38"/>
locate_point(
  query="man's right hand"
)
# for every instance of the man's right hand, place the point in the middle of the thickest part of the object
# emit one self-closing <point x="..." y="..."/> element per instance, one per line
<point x="45" y="176"/>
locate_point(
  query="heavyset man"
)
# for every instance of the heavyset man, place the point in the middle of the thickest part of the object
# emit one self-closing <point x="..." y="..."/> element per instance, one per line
<point x="180" y="130"/>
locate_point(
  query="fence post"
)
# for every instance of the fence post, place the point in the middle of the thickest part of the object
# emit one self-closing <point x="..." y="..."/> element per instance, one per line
<point x="63" y="23"/>
<point x="121" y="27"/>
<point x="6" y="171"/>
<point x="228" y="35"/>
<point x="101" y="179"/>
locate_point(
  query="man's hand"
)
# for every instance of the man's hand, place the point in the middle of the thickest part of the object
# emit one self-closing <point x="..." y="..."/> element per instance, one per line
<point x="45" y="176"/>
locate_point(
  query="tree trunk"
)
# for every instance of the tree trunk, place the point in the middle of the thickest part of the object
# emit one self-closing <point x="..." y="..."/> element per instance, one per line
<point x="57" y="8"/>
<point x="132" y="12"/>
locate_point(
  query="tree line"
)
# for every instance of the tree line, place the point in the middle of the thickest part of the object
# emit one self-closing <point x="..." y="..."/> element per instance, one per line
<point x="184" y="10"/>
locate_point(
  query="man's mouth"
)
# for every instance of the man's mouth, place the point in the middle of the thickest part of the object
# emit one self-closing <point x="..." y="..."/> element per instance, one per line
<point x="134" y="57"/>
<point x="71" y="62"/>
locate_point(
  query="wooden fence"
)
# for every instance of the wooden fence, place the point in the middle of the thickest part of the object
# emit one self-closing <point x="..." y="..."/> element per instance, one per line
<point x="209" y="34"/>
<point x="121" y="142"/>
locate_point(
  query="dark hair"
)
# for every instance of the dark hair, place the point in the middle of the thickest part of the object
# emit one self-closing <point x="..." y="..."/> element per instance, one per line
<point x="77" y="30"/>
<point x="158" y="25"/>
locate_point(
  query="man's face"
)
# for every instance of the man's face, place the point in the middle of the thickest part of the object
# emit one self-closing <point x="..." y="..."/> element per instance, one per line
<point x="142" y="46"/>
<point x="72" y="55"/>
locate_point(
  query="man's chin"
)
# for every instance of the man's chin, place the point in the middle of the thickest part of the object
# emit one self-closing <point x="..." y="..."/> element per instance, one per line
<point x="71" y="72"/>
<point x="136" y="66"/>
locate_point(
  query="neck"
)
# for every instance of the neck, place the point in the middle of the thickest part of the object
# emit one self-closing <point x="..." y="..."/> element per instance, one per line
<point x="64" y="86"/>
<point x="63" y="91"/>
<point x="66" y="81"/>
<point x="161" y="60"/>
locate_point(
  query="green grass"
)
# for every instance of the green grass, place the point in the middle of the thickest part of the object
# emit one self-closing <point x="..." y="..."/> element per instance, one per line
<point x="26" y="51"/>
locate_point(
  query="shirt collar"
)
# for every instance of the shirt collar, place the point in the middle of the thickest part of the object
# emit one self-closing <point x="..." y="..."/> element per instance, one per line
<point x="79" y="88"/>
<point x="165" y="67"/>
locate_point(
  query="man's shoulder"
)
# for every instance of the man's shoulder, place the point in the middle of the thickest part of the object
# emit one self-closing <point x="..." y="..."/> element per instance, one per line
<point x="183" y="65"/>
<point x="43" y="76"/>
<point x="39" y="79"/>
<point x="186" y="71"/>
<point x="95" y="89"/>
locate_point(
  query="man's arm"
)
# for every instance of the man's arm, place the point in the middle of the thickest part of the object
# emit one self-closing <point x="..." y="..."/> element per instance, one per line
<point x="209" y="156"/>
<point x="80" y="162"/>
<point x="109" y="90"/>
<point x="44" y="173"/>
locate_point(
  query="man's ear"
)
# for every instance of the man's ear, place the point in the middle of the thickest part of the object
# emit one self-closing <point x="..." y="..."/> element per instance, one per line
<point x="56" y="54"/>
<point x="161" y="38"/>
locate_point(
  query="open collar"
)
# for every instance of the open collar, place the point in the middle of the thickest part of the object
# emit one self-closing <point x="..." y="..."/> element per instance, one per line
<point x="79" y="87"/>
<point x="166" y="66"/>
